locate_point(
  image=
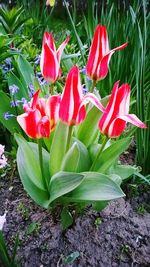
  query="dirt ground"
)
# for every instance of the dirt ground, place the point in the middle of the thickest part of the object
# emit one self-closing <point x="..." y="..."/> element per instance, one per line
<point x="117" y="236"/>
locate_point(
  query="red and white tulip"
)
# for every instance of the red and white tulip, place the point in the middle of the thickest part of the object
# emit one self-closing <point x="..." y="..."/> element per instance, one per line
<point x="72" y="106"/>
<point x="50" y="58"/>
<point x="116" y="115"/>
<point x="100" y="54"/>
<point x="40" y="116"/>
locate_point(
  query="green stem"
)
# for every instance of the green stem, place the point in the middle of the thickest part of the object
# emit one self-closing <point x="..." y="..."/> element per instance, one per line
<point x="99" y="153"/>
<point x="51" y="88"/>
<point x="69" y="137"/>
<point x="93" y="86"/>
<point x="39" y="142"/>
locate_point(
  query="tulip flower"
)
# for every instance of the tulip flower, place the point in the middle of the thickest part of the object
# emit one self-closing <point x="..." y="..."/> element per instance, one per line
<point x="99" y="56"/>
<point x="116" y="115"/>
<point x="72" y="105"/>
<point x="40" y="116"/>
<point x="50" y="58"/>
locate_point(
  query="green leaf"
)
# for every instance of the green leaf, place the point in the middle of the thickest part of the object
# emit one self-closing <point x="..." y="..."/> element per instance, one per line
<point x="110" y="155"/>
<point x="63" y="183"/>
<point x="66" y="218"/>
<point x="29" y="161"/>
<point x="25" y="69"/>
<point x="58" y="147"/>
<point x="71" y="258"/>
<point x="3" y="251"/>
<point x="39" y="195"/>
<point x="23" y="90"/>
<point x="99" y="205"/>
<point x="11" y="124"/>
<point x="76" y="159"/>
<point x="45" y="154"/>
<point x="88" y="130"/>
<point x="116" y="178"/>
<point x="96" y="187"/>
<point x="124" y="171"/>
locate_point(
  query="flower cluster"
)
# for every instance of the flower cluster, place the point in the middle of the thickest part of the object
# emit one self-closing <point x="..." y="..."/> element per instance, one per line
<point x="41" y="114"/>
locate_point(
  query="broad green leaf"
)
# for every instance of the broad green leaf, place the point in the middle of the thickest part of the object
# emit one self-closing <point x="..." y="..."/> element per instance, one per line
<point x="58" y="147"/>
<point x="93" y="149"/>
<point x="124" y="171"/>
<point x="62" y="183"/>
<point x="39" y="195"/>
<point x="76" y="159"/>
<point x="96" y="187"/>
<point x="25" y="69"/>
<point x="29" y="161"/>
<point x="116" y="178"/>
<point x="11" y="124"/>
<point x="66" y="218"/>
<point x="88" y="130"/>
<point x="110" y="155"/>
<point x="45" y="154"/>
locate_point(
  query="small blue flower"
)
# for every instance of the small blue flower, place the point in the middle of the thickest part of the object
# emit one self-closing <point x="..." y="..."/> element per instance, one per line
<point x="37" y="60"/>
<point x="84" y="89"/>
<point x="24" y="101"/>
<point x="7" y="115"/>
<point x="14" y="103"/>
<point x="13" y="89"/>
<point x="31" y="90"/>
<point x="83" y="71"/>
<point x="42" y="81"/>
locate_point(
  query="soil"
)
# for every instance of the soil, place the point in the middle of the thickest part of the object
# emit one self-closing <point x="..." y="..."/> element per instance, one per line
<point x="117" y="236"/>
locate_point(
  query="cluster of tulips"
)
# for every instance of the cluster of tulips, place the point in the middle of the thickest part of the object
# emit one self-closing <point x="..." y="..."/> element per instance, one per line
<point x="41" y="115"/>
<point x="74" y="167"/>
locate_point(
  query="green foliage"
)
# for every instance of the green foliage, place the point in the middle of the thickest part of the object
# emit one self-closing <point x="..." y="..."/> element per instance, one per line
<point x="33" y="228"/>
<point x="66" y="218"/>
<point x="12" y="20"/>
<point x="7" y="259"/>
<point x="71" y="258"/>
<point x="58" y="148"/>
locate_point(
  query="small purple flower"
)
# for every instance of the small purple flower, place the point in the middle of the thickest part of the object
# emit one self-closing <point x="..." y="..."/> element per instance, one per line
<point x="23" y="100"/>
<point x="37" y="60"/>
<point x="85" y="90"/>
<point x="31" y="90"/>
<point x="14" y="103"/>
<point x="7" y="115"/>
<point x="42" y="81"/>
<point x="13" y="89"/>
<point x="83" y="71"/>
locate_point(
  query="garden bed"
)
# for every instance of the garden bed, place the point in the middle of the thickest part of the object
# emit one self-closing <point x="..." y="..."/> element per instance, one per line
<point x="117" y="236"/>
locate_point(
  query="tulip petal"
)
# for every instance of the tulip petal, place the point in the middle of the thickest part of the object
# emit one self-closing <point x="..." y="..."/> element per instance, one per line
<point x="71" y="97"/>
<point x="52" y="110"/>
<point x="119" y="124"/>
<point x="102" y="69"/>
<point x="106" y="117"/>
<point x="61" y="48"/>
<point x="29" y="122"/>
<point x="98" y="49"/>
<point x="132" y="118"/>
<point x="34" y="99"/>
<point x="94" y="100"/>
<point x="120" y="47"/>
<point x="48" y="39"/>
<point x="43" y="127"/>
<point x="49" y="64"/>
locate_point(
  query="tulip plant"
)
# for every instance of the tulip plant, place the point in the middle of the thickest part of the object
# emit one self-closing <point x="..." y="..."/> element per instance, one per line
<point x="72" y="156"/>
